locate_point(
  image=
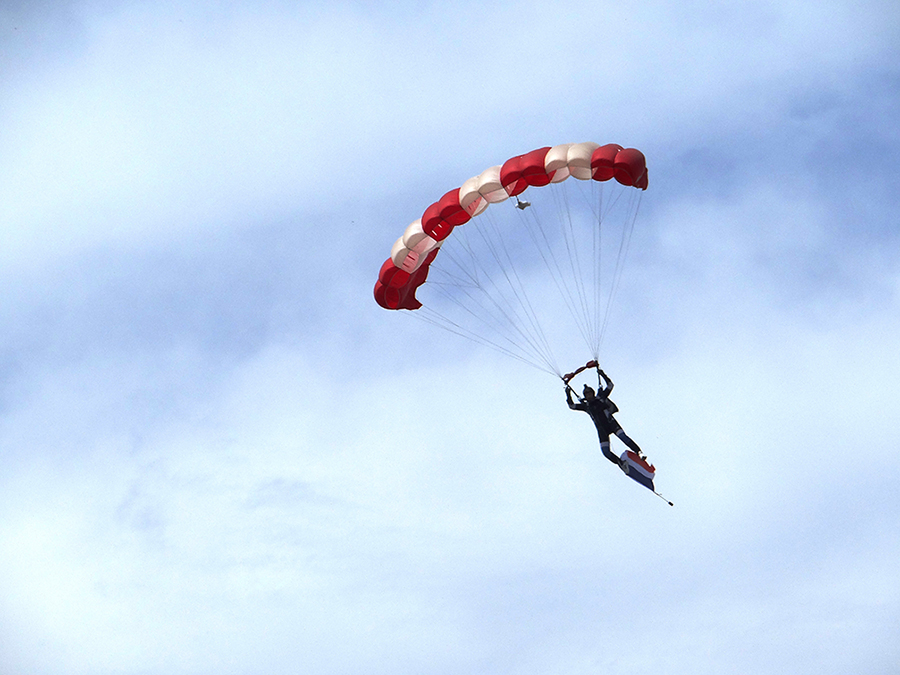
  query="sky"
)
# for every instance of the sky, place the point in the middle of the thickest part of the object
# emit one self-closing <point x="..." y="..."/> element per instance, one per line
<point x="219" y="455"/>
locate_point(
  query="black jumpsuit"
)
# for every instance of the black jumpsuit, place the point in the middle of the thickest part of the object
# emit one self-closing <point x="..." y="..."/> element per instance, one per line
<point x="601" y="410"/>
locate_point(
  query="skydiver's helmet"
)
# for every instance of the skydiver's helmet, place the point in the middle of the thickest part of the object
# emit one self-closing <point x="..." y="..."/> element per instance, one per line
<point x="588" y="391"/>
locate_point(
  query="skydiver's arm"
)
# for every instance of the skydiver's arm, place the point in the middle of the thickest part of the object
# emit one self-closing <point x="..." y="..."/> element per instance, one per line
<point x="573" y="405"/>
<point x="608" y="387"/>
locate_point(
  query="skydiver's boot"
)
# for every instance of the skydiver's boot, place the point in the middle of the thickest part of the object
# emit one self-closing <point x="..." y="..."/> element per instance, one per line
<point x="634" y="447"/>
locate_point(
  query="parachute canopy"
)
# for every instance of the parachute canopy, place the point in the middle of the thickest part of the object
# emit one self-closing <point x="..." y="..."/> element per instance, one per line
<point x="413" y="253"/>
<point x="486" y="283"/>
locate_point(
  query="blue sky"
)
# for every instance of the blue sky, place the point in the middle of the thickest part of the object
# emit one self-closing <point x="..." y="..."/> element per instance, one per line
<point x="218" y="454"/>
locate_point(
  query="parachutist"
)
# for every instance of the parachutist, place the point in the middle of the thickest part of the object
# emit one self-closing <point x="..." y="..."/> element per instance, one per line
<point x="521" y="204"/>
<point x="601" y="409"/>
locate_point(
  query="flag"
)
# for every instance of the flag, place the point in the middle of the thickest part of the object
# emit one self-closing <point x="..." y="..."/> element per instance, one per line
<point x="638" y="469"/>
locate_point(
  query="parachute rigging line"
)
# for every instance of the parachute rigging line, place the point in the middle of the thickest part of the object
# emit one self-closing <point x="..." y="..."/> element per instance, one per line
<point x="572" y="300"/>
<point x="498" y="296"/>
<point x="624" y="245"/>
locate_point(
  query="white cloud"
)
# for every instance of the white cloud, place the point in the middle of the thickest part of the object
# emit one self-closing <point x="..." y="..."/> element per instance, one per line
<point x="212" y="462"/>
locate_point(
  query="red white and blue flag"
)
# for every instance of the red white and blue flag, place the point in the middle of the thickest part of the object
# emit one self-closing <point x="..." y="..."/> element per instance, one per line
<point x="638" y="469"/>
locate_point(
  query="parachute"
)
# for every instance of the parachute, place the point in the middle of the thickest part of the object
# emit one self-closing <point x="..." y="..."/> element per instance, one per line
<point x="493" y="280"/>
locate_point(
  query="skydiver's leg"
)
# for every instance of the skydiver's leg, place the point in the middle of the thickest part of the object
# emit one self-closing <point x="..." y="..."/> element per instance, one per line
<point x="604" y="448"/>
<point x="634" y="447"/>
